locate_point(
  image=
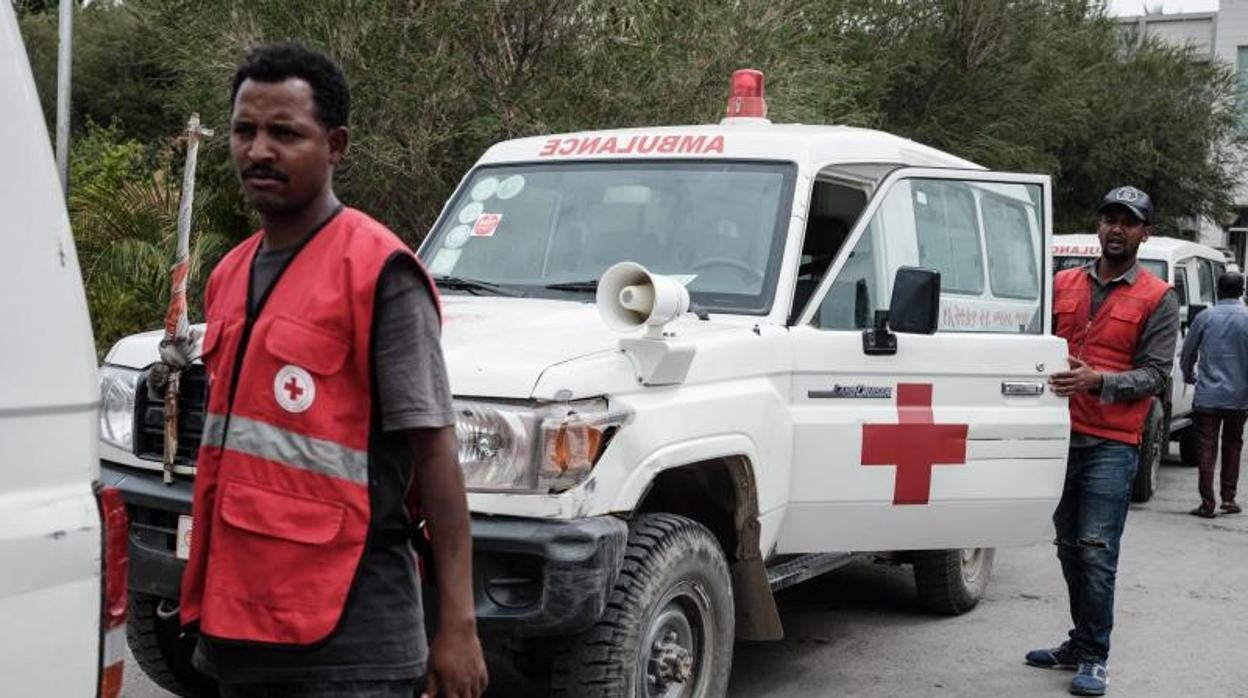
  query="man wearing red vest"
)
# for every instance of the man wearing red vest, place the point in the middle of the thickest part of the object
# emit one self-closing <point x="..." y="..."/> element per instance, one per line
<point x="328" y="405"/>
<point x="1120" y="323"/>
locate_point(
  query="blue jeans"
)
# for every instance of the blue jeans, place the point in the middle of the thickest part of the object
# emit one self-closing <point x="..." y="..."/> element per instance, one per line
<point x="1089" y="521"/>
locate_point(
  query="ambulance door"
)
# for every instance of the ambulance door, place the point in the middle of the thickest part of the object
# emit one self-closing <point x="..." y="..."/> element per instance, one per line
<point x="953" y="440"/>
<point x="1181" y="394"/>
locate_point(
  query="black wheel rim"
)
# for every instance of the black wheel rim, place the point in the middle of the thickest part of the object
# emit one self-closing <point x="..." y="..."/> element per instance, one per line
<point x="677" y="644"/>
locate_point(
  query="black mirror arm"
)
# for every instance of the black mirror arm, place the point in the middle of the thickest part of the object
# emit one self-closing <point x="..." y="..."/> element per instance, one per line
<point x="879" y="341"/>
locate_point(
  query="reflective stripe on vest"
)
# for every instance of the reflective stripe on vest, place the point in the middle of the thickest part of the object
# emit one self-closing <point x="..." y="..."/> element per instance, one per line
<point x="286" y="447"/>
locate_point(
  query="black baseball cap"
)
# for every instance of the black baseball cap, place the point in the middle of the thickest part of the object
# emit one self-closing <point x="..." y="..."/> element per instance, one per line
<point x="1132" y="199"/>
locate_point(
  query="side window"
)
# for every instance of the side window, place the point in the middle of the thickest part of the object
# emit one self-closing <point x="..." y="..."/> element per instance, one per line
<point x="834" y="206"/>
<point x="1011" y="248"/>
<point x="948" y="235"/>
<point x="858" y="289"/>
<point x="941" y="224"/>
<point x="1180" y="285"/>
<point x="1206" y="282"/>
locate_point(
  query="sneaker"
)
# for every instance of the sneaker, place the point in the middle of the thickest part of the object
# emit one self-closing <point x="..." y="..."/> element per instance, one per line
<point x="1231" y="508"/>
<point x="1203" y="512"/>
<point x="1061" y="657"/>
<point x="1090" y="680"/>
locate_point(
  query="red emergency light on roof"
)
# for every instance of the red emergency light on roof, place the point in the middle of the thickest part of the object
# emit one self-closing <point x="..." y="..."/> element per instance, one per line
<point x="745" y="97"/>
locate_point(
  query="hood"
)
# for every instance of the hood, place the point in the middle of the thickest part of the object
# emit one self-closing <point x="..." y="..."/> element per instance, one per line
<point x="494" y="347"/>
<point x="141" y="350"/>
<point x="498" y="347"/>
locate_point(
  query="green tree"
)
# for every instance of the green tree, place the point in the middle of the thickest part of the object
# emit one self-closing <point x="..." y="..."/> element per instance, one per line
<point x="124" y="211"/>
<point x="1050" y="86"/>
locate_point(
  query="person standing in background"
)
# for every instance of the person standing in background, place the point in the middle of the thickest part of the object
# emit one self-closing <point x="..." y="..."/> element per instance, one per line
<point x="1215" y="360"/>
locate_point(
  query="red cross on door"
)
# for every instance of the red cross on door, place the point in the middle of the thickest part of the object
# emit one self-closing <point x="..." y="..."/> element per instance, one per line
<point x="914" y="445"/>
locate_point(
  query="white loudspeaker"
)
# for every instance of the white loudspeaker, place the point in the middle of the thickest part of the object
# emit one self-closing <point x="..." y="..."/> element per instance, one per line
<point x="629" y="297"/>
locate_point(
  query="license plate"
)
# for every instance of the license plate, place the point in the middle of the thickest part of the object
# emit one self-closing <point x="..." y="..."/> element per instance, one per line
<point x="183" y="550"/>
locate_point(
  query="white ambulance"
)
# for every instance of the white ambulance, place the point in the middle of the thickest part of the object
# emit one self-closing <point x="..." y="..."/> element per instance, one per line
<point x="1192" y="270"/>
<point x="62" y="536"/>
<point x="694" y="365"/>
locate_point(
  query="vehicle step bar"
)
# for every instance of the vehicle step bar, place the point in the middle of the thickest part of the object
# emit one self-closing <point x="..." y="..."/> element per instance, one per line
<point x="1180" y="423"/>
<point x="803" y="567"/>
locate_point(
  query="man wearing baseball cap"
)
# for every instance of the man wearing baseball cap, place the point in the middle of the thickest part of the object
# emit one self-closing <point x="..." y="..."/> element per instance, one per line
<point x="1120" y="323"/>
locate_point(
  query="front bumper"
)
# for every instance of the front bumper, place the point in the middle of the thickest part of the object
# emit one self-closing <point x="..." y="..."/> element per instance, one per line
<point x="532" y="576"/>
<point x="154" y="508"/>
<point x="544" y="577"/>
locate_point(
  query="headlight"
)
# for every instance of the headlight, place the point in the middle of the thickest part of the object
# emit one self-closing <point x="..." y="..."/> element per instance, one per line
<point x="117" y="386"/>
<point x="532" y="449"/>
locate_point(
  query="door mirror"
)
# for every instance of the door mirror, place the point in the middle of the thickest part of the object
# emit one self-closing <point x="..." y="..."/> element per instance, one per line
<point x="915" y="305"/>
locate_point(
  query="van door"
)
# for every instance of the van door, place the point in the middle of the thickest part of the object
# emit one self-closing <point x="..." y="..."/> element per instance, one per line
<point x="1181" y="394"/>
<point x="954" y="440"/>
<point x="50" y="530"/>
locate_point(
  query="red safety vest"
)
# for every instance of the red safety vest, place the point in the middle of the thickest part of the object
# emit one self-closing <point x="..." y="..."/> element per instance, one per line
<point x="1107" y="343"/>
<point x="281" y="506"/>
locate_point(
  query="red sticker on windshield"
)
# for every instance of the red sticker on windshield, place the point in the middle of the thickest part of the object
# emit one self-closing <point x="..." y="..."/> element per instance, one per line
<point x="486" y="224"/>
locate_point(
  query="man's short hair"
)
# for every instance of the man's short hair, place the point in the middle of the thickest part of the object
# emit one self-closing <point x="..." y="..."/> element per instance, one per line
<point x="281" y="61"/>
<point x="1230" y="285"/>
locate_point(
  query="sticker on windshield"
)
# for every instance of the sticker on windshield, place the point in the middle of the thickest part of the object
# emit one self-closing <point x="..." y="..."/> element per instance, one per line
<point x="509" y="187"/>
<point x="457" y="237"/>
<point x="469" y="213"/>
<point x="486" y="224"/>
<point x="444" y="261"/>
<point x="484" y="189"/>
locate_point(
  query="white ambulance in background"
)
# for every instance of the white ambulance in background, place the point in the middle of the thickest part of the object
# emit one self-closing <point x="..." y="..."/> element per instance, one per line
<point x="694" y="365"/>
<point x="62" y="537"/>
<point x="1192" y="270"/>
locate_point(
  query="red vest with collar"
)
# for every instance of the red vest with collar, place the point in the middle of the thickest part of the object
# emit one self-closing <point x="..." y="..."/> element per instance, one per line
<point x="281" y="501"/>
<point x="1107" y="343"/>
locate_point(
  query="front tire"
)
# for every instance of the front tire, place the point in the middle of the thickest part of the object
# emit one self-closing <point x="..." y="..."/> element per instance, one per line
<point x="1152" y="442"/>
<point x="951" y="582"/>
<point x="668" y="626"/>
<point x="162" y="649"/>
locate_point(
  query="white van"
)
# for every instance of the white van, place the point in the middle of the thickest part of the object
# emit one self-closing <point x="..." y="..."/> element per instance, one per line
<point x="862" y="370"/>
<point x="62" y="537"/>
<point x="1192" y="270"/>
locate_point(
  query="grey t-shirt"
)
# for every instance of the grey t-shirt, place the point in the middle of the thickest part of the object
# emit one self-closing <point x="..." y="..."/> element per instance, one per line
<point x="381" y="635"/>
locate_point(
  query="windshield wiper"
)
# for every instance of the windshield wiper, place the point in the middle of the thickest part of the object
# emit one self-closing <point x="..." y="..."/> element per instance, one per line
<point x="474" y="285"/>
<point x="588" y="285"/>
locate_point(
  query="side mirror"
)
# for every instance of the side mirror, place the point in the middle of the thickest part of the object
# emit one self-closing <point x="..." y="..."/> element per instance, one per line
<point x="915" y="305"/>
<point x="914" y="309"/>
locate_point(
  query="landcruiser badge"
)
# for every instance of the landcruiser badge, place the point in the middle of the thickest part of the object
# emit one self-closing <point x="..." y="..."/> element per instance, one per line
<point x="853" y="391"/>
<point x="294" y="389"/>
<point x="914" y="445"/>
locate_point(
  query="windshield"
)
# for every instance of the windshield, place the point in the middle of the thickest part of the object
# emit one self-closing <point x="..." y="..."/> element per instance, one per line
<point x="719" y="227"/>
<point x="1159" y="268"/>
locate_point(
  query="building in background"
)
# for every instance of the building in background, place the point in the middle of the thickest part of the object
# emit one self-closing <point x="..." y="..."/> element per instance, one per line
<point x="1221" y="34"/>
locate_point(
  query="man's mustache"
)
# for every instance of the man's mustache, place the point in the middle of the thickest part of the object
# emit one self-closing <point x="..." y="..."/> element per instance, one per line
<point x="263" y="172"/>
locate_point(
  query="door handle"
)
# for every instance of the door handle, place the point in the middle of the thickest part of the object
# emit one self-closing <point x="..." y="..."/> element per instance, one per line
<point x="1022" y="388"/>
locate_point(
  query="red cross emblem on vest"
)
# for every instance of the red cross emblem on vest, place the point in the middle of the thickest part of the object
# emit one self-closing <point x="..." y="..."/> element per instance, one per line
<point x="914" y="445"/>
<point x="293" y="389"/>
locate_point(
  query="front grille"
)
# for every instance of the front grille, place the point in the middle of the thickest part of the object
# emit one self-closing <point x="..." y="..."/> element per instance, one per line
<point x="154" y="528"/>
<point x="149" y="418"/>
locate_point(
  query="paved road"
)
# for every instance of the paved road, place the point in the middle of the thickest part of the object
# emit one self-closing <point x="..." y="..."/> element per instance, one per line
<point x="1182" y="625"/>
